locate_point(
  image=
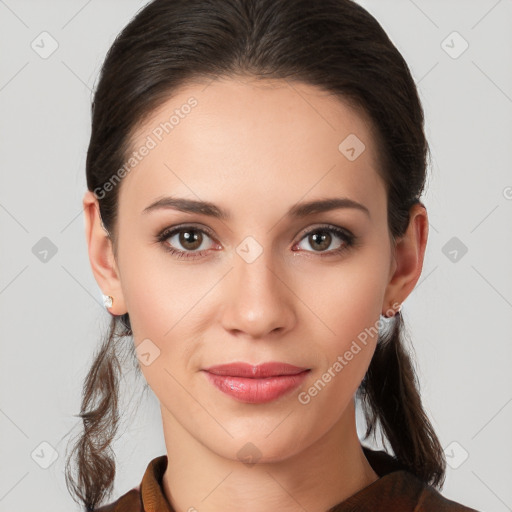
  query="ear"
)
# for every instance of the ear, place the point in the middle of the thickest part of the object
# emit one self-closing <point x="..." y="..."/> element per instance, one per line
<point x="407" y="262"/>
<point x="101" y="255"/>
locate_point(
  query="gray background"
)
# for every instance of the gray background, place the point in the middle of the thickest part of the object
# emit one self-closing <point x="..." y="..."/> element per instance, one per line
<point x="459" y="316"/>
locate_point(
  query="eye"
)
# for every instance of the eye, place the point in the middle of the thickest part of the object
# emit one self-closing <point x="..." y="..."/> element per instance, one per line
<point x="193" y="241"/>
<point x="190" y="238"/>
<point x="322" y="237"/>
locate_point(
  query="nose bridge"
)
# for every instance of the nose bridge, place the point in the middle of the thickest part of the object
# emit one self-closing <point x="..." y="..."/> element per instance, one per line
<point x="258" y="301"/>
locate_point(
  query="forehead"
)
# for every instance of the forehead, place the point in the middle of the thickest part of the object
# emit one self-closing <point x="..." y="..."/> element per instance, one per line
<point x="256" y="137"/>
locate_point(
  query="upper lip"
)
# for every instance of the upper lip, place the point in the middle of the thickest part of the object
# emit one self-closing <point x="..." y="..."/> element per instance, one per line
<point x="263" y="370"/>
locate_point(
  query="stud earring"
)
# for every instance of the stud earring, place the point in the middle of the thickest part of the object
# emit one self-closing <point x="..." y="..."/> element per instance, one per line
<point x="108" y="301"/>
<point x="391" y="312"/>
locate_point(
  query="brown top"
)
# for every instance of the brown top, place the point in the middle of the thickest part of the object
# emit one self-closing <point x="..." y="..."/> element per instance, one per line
<point x="396" y="490"/>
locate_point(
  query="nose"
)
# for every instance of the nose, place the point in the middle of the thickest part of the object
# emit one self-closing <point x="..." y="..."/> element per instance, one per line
<point x="258" y="301"/>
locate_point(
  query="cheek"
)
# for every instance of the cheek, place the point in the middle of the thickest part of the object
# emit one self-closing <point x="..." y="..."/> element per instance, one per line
<point x="347" y="302"/>
<point x="349" y="311"/>
<point x="158" y="293"/>
<point x="345" y="298"/>
<point x="166" y="303"/>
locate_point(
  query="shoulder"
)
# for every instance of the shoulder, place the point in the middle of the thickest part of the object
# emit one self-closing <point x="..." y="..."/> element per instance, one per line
<point x="399" y="489"/>
<point x="420" y="495"/>
<point x="430" y="499"/>
<point x="129" y="502"/>
<point x="147" y="495"/>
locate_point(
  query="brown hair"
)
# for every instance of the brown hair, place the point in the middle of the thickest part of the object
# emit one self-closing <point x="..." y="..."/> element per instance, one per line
<point x="335" y="45"/>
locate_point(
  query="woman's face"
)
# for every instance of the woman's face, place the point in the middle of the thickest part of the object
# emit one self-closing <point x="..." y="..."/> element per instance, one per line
<point x="267" y="282"/>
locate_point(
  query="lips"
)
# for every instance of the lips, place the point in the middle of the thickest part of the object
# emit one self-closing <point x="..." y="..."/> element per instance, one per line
<point x="256" y="384"/>
<point x="261" y="371"/>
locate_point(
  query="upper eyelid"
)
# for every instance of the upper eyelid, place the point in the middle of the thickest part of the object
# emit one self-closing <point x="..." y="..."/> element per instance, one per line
<point x="327" y="227"/>
<point x="176" y="229"/>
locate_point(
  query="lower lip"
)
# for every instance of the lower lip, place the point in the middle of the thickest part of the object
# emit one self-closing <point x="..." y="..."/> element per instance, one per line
<point x="256" y="391"/>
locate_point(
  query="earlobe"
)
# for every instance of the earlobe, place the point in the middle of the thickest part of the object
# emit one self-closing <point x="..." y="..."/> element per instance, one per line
<point x="101" y="256"/>
<point x="408" y="257"/>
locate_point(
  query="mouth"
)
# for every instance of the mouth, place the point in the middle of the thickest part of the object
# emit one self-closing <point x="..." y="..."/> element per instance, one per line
<point x="256" y="384"/>
<point x="261" y="371"/>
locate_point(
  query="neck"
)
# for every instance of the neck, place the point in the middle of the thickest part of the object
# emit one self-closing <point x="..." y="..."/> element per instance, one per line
<point x="315" y="479"/>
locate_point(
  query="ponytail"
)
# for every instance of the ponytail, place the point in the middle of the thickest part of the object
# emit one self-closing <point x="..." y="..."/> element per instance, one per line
<point x="100" y="414"/>
<point x="390" y="396"/>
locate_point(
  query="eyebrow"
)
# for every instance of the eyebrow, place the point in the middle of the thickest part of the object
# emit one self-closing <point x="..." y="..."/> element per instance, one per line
<point x="297" y="211"/>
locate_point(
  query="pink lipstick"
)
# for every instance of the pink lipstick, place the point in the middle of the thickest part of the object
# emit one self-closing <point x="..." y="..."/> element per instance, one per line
<point x="256" y="384"/>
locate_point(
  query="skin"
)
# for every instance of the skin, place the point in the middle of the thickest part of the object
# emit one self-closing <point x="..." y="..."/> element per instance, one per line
<point x="256" y="149"/>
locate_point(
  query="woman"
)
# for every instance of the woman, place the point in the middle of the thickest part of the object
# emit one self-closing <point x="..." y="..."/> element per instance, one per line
<point x="253" y="217"/>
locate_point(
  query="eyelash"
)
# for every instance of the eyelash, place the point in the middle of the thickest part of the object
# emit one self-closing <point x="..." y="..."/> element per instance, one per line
<point x="348" y="238"/>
